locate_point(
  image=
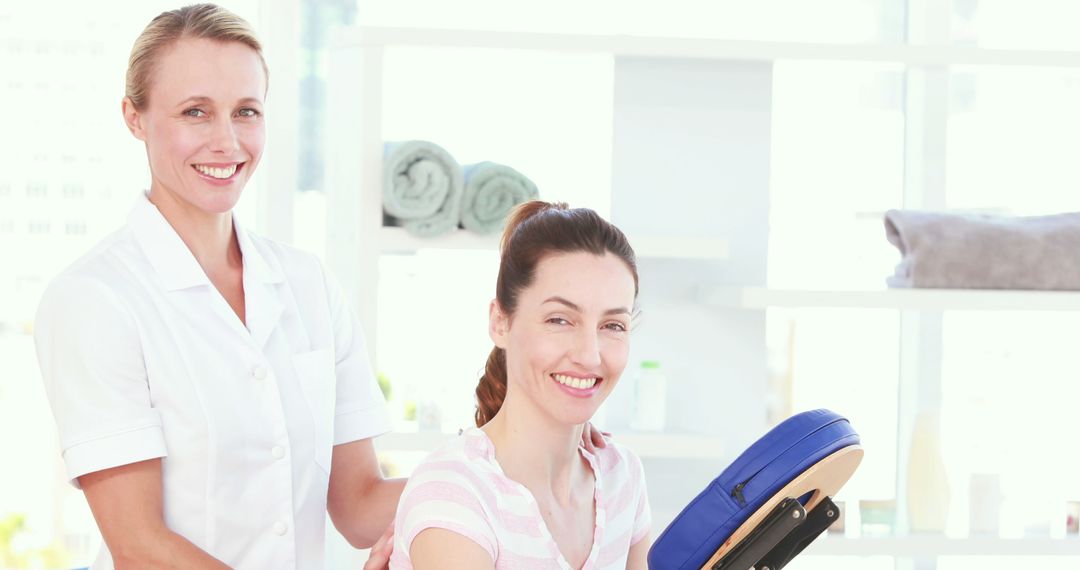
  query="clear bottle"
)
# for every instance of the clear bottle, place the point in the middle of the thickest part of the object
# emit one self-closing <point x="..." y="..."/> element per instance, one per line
<point x="650" y="402"/>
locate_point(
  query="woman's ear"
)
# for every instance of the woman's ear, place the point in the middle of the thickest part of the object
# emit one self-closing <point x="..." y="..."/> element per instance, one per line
<point x="498" y="324"/>
<point x="133" y="118"/>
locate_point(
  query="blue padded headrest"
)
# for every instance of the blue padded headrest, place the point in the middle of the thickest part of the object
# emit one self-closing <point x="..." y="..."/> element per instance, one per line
<point x="756" y="475"/>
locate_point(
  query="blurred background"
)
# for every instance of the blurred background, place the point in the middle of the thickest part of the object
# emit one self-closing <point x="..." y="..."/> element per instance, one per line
<point x="749" y="149"/>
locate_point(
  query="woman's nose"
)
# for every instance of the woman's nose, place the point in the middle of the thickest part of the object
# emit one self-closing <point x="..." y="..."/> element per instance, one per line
<point x="223" y="137"/>
<point x="586" y="350"/>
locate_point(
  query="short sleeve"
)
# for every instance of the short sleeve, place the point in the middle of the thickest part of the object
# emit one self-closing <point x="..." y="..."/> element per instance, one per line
<point x="643" y="516"/>
<point x="91" y="361"/>
<point x="434" y="500"/>
<point x="360" y="409"/>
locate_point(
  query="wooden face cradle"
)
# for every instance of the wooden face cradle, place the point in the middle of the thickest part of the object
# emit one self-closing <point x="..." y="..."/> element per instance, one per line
<point x="823" y="479"/>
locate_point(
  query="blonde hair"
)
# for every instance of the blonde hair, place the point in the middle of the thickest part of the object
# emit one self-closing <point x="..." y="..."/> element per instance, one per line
<point x="202" y="21"/>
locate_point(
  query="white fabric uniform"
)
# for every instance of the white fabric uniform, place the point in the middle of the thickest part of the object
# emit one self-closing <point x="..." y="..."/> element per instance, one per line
<point x="143" y="358"/>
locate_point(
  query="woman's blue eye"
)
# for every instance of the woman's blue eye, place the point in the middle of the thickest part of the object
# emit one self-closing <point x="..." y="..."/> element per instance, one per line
<point x="249" y="112"/>
<point x="195" y="113"/>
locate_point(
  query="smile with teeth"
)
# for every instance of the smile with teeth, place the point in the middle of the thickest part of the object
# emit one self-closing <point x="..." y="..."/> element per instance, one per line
<point x="215" y="172"/>
<point x="579" y="383"/>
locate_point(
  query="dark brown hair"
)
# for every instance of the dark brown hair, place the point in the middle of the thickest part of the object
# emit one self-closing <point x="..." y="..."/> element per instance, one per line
<point x="535" y="230"/>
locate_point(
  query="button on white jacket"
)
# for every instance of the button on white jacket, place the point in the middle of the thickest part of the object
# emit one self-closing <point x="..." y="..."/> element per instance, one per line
<point x="143" y="358"/>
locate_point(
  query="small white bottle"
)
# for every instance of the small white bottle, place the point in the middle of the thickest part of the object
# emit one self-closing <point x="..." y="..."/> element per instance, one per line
<point x="650" y="402"/>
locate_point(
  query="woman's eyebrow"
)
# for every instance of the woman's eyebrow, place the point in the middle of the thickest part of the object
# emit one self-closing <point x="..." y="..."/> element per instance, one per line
<point x="562" y="301"/>
<point x="194" y="99"/>
<point x="205" y="99"/>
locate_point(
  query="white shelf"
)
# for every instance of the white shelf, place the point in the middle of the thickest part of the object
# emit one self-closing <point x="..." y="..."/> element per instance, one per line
<point x="679" y="247"/>
<point x="670" y="446"/>
<point x="399" y="240"/>
<point x="706" y="48"/>
<point x="926" y="546"/>
<point x="906" y="299"/>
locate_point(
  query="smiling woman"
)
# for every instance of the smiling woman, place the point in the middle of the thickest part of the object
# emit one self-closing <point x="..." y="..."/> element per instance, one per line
<point x="202" y="123"/>
<point x="211" y="388"/>
<point x="518" y="490"/>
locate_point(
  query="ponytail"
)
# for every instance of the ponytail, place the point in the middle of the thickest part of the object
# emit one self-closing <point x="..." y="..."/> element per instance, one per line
<point x="491" y="391"/>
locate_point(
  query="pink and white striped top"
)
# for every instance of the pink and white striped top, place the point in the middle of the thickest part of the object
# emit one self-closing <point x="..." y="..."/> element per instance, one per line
<point x="462" y="488"/>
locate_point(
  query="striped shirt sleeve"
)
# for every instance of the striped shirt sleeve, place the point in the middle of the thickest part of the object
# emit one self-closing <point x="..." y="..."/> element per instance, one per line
<point x="643" y="517"/>
<point x="443" y="499"/>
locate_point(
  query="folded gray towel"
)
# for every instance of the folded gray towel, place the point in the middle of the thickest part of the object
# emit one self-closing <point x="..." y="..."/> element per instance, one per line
<point x="491" y="191"/>
<point x="422" y="186"/>
<point x="958" y="250"/>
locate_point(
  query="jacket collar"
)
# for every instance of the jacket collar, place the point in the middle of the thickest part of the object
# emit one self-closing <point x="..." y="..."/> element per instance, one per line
<point x="174" y="262"/>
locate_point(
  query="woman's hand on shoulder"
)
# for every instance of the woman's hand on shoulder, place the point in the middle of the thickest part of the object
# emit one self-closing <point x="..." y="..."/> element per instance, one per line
<point x="379" y="556"/>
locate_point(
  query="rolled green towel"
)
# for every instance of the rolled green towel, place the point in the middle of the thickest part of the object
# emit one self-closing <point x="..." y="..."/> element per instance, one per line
<point x="491" y="191"/>
<point x="422" y="186"/>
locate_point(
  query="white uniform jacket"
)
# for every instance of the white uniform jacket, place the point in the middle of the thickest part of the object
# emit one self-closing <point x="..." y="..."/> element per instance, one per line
<point x="143" y="358"/>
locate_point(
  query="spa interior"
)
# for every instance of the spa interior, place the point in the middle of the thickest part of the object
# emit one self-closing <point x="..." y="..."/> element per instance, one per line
<point x="866" y="206"/>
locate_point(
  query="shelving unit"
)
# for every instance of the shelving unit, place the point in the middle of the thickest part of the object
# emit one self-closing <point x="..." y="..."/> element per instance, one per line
<point x="737" y="258"/>
<point x="900" y="299"/>
<point x="705" y="48"/>
<point x="924" y="546"/>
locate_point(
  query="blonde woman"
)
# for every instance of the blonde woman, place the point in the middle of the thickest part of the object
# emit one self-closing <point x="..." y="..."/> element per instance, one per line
<point x="519" y="490"/>
<point x="212" y="391"/>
